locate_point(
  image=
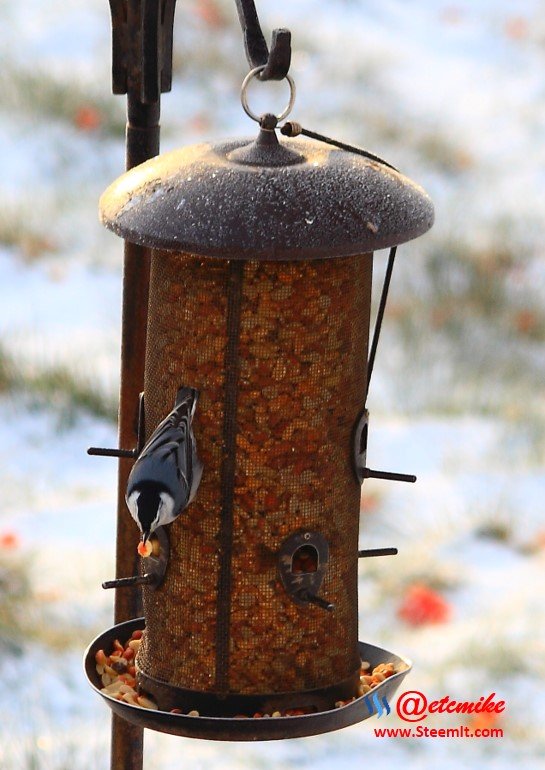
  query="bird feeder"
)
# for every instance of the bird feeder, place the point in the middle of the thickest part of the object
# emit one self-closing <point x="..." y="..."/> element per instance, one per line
<point x="260" y="298"/>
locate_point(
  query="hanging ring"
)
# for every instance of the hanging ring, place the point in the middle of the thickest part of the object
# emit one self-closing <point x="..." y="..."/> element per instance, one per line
<point x="244" y="98"/>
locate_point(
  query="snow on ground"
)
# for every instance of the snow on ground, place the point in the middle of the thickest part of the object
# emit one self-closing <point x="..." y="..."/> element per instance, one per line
<point x="55" y="313"/>
<point x="471" y="72"/>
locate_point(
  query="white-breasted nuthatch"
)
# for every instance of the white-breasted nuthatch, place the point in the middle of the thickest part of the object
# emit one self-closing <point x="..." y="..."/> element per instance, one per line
<point x="167" y="473"/>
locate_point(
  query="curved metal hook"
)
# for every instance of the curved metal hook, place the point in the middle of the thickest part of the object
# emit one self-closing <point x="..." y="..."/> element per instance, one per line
<point x="276" y="62"/>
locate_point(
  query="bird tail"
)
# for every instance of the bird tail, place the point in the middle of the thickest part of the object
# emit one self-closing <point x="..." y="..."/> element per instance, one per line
<point x="188" y="396"/>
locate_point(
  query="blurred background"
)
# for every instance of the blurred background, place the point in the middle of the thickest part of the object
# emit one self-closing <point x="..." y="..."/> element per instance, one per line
<point x="453" y="94"/>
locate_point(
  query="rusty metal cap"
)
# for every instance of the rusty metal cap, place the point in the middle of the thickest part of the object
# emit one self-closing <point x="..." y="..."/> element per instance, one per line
<point x="266" y="199"/>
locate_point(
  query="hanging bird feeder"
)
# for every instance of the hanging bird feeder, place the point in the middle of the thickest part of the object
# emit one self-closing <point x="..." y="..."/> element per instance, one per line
<point x="260" y="297"/>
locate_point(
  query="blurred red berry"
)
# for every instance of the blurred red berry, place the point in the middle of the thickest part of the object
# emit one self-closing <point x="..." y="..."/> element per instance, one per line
<point x="483" y="721"/>
<point x="452" y="14"/>
<point x="369" y="503"/>
<point x="516" y="28"/>
<point x="422" y="605"/>
<point x="210" y="12"/>
<point x="9" y="541"/>
<point x="87" y="118"/>
<point x="200" y="123"/>
<point x="526" y="321"/>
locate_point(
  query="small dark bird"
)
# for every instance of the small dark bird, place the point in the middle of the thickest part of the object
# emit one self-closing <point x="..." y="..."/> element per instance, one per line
<point x="167" y="473"/>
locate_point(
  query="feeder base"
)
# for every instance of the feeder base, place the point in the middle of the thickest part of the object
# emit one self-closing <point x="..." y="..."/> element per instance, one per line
<point x="214" y="705"/>
<point x="221" y="728"/>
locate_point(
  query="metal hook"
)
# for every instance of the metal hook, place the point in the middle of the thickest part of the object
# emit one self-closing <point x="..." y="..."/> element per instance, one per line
<point x="276" y="62"/>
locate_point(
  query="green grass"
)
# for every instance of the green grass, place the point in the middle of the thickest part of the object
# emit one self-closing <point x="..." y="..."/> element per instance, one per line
<point x="58" y="387"/>
<point x="68" y="392"/>
<point x="23" y="232"/>
<point x="38" y="92"/>
<point x="15" y="598"/>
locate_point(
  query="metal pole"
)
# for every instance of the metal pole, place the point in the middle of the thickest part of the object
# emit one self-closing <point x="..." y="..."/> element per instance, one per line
<point x="142" y="144"/>
<point x="141" y="68"/>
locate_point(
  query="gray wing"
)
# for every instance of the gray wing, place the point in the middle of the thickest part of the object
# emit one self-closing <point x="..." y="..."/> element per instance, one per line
<point x="169" y="458"/>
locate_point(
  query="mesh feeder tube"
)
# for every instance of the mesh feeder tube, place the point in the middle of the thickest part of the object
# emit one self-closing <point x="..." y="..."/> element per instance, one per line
<point x="260" y="295"/>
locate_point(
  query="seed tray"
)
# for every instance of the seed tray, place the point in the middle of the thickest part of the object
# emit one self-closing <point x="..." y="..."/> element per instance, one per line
<point x="241" y="729"/>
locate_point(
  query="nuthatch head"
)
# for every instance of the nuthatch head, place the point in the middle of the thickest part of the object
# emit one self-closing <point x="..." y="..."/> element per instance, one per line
<point x="167" y="473"/>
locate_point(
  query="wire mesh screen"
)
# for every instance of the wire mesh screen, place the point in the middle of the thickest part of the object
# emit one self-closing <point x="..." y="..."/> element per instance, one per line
<point x="278" y="351"/>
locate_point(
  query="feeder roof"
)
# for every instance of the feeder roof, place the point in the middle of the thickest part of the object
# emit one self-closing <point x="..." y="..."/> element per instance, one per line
<point x="287" y="200"/>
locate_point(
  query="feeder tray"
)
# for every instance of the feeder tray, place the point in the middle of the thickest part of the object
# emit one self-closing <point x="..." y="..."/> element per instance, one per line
<point x="238" y="729"/>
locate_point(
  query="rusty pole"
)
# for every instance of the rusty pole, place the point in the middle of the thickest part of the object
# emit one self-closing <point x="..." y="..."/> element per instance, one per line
<point x="127" y="740"/>
<point x="142" y="32"/>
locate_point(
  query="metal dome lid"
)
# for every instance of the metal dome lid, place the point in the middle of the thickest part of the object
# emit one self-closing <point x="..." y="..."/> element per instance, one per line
<point x="267" y="200"/>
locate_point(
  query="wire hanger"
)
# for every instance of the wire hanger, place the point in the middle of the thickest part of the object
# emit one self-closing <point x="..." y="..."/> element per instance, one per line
<point x="276" y="61"/>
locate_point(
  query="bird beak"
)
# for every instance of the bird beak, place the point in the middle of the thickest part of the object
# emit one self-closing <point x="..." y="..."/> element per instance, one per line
<point x="145" y="536"/>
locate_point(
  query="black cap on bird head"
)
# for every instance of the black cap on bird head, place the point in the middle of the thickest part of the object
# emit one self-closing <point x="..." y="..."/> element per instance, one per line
<point x="147" y="503"/>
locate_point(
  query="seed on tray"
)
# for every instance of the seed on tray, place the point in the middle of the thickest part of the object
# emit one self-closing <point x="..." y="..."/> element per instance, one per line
<point x="146" y="703"/>
<point x="113" y="688"/>
<point x="118" y="675"/>
<point x="130" y="697"/>
<point x="386" y="669"/>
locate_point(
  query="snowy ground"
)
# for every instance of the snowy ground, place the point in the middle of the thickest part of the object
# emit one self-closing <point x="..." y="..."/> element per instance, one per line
<point x="470" y="74"/>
